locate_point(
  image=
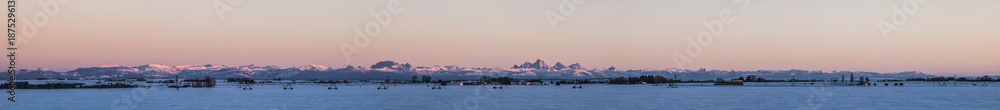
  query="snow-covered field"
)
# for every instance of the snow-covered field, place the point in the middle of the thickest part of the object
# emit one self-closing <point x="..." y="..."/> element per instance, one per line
<point x="592" y="96"/>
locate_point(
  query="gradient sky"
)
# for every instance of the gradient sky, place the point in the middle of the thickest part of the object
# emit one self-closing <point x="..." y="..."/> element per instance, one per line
<point x="944" y="37"/>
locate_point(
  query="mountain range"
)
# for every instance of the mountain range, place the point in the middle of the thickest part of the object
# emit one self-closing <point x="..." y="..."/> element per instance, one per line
<point x="405" y="71"/>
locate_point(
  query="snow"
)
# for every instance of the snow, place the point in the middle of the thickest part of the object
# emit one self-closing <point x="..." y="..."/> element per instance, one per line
<point x="260" y="71"/>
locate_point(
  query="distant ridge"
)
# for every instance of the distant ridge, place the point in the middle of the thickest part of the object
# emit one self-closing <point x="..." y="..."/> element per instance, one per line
<point x="405" y="71"/>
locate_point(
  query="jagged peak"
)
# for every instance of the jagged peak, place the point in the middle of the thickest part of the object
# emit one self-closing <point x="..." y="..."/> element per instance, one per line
<point x="558" y="66"/>
<point x="575" y="66"/>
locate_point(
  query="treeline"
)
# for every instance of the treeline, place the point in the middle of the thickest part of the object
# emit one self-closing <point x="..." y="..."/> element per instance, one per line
<point x="241" y="80"/>
<point x="423" y="78"/>
<point x="497" y="80"/>
<point x="754" y="78"/>
<point x="942" y="78"/>
<point x="585" y="81"/>
<point x="660" y="79"/>
<point x="641" y="79"/>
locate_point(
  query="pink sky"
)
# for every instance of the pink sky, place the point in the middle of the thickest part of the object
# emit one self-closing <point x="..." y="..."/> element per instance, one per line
<point x="941" y="37"/>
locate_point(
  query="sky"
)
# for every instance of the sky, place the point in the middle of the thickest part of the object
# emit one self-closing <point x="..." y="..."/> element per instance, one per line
<point x="953" y="37"/>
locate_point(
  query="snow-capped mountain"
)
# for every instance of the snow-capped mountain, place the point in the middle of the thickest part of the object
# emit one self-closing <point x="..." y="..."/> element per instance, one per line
<point x="393" y="70"/>
<point x="539" y="64"/>
<point x="165" y="71"/>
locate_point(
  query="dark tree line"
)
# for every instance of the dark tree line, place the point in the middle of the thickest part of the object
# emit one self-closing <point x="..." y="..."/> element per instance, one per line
<point x="754" y="78"/>
<point x="241" y="80"/>
<point x="942" y="78"/>
<point x="498" y="80"/>
<point x="641" y="79"/>
<point x="585" y="81"/>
